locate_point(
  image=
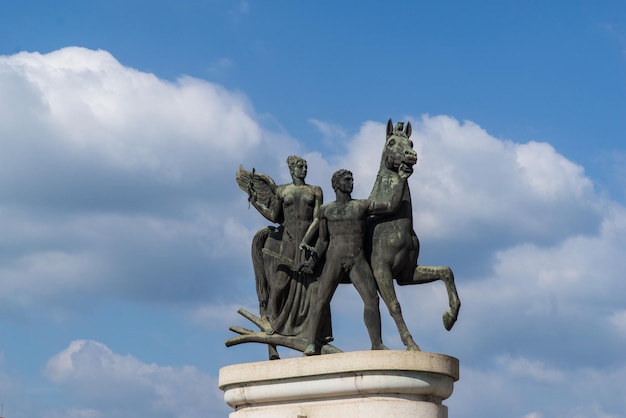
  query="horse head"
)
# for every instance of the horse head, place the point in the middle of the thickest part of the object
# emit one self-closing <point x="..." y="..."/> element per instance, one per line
<point x="398" y="154"/>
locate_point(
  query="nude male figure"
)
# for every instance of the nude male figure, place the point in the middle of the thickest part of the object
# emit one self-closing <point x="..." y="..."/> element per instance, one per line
<point x="341" y="236"/>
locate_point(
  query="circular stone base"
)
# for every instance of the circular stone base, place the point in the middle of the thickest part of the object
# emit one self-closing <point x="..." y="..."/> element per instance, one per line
<point x="353" y="384"/>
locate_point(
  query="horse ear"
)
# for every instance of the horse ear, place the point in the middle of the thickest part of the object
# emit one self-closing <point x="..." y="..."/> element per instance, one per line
<point x="389" y="128"/>
<point x="408" y="130"/>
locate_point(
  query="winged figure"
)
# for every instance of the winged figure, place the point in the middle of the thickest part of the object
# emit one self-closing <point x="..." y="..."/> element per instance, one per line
<point x="283" y="288"/>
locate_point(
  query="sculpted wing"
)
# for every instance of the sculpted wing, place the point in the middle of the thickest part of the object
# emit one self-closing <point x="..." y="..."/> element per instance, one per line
<point x="261" y="184"/>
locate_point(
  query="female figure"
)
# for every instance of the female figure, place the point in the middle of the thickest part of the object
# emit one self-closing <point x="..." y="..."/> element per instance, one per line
<point x="285" y="291"/>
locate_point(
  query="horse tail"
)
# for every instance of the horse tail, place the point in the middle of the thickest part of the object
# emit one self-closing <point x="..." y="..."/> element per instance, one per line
<point x="258" y="264"/>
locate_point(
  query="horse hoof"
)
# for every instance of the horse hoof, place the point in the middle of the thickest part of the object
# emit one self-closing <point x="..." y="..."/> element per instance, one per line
<point x="413" y="347"/>
<point x="310" y="350"/>
<point x="448" y="319"/>
<point x="380" y="347"/>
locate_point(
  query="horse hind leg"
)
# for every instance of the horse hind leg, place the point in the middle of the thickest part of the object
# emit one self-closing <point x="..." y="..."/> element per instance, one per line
<point x="388" y="294"/>
<point x="427" y="274"/>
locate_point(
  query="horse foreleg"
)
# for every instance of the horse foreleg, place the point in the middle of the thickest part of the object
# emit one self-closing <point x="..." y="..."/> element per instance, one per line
<point x="427" y="274"/>
<point x="388" y="293"/>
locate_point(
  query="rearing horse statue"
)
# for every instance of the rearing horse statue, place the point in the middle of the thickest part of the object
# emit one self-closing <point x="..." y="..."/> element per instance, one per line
<point x="391" y="242"/>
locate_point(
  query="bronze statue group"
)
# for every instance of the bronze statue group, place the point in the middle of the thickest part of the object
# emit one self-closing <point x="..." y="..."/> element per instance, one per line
<point x="368" y="242"/>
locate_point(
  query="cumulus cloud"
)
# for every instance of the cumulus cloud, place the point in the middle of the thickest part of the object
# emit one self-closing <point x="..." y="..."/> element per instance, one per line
<point x="469" y="183"/>
<point x="553" y="293"/>
<point x="116" y="182"/>
<point x="474" y="194"/>
<point x="333" y="136"/>
<point x="545" y="300"/>
<point x="536" y="370"/>
<point x="519" y="387"/>
<point x="73" y="413"/>
<point x="114" y="108"/>
<point x="130" y="170"/>
<point x="114" y="385"/>
<point x="99" y="131"/>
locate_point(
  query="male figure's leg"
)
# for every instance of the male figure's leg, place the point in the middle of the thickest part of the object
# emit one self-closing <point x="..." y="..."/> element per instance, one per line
<point x="363" y="279"/>
<point x="326" y="286"/>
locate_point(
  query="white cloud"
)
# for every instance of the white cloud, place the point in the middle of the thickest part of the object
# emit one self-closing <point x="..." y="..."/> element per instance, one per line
<point x="114" y="385"/>
<point x="333" y="136"/>
<point x="468" y="183"/>
<point x="73" y="413"/>
<point x="117" y="182"/>
<point x="328" y="130"/>
<point x="38" y="277"/>
<point x="523" y="388"/>
<point x="133" y="169"/>
<point x="549" y="175"/>
<point x="618" y="320"/>
<point x="581" y="267"/>
<point x="547" y="299"/>
<point x="541" y="300"/>
<point x="90" y="103"/>
<point x="536" y="370"/>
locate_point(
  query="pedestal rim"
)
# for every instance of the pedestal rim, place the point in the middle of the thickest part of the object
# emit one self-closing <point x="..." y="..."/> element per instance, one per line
<point x="348" y="362"/>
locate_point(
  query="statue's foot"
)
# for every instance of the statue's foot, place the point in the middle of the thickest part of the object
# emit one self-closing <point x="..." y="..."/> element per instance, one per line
<point x="408" y="341"/>
<point x="380" y="347"/>
<point x="449" y="319"/>
<point x="310" y="350"/>
<point x="413" y="347"/>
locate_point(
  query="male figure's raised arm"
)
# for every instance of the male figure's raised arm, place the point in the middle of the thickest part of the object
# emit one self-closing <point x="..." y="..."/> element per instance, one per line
<point x="384" y="208"/>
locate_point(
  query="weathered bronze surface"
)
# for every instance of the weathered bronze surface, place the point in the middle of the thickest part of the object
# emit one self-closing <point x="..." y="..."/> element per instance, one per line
<point x="392" y="244"/>
<point x="340" y="243"/>
<point x="284" y="289"/>
<point x="367" y="242"/>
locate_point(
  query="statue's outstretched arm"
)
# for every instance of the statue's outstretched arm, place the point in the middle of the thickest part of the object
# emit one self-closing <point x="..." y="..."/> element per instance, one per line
<point x="271" y="213"/>
<point x="263" y="193"/>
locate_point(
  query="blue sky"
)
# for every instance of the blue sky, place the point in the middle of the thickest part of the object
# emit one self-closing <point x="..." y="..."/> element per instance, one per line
<point x="125" y="246"/>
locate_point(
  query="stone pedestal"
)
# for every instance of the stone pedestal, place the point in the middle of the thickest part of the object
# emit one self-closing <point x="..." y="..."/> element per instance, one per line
<point x="345" y="385"/>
